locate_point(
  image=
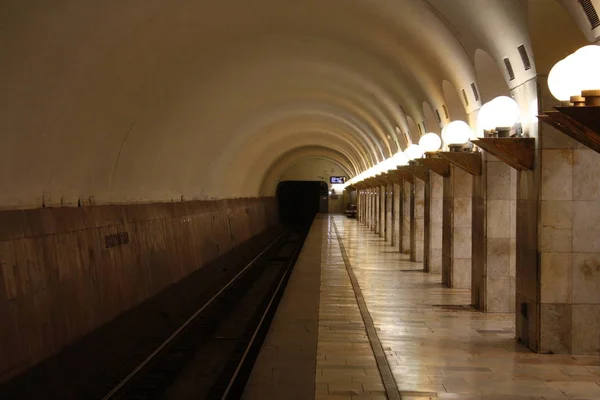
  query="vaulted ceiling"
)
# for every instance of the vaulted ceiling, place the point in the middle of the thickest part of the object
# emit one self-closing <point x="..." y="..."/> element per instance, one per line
<point x="148" y="100"/>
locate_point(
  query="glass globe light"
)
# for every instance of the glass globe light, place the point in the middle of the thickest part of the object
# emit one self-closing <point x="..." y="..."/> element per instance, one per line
<point x="389" y="164"/>
<point x="400" y="159"/>
<point x="456" y="132"/>
<point x="485" y="117"/>
<point x="566" y="78"/>
<point x="413" y="151"/>
<point x="557" y="81"/>
<point x="381" y="168"/>
<point x="506" y="111"/>
<point x="588" y="62"/>
<point x="430" y="142"/>
<point x="500" y="112"/>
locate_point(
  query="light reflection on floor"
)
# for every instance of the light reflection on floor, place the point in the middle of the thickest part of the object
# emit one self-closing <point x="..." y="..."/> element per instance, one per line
<point x="438" y="349"/>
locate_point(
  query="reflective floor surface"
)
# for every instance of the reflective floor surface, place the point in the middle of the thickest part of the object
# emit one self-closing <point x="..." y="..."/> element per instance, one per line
<point x="436" y="346"/>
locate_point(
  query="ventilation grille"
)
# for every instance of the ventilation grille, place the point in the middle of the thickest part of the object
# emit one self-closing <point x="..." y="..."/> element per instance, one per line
<point x="465" y="97"/>
<point x="591" y="13"/>
<point x="509" y="69"/>
<point x="524" y="57"/>
<point x="437" y="114"/>
<point x="445" y="111"/>
<point x="475" y="92"/>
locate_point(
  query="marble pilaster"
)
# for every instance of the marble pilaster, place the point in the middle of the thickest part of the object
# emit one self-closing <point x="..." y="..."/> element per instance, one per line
<point x="382" y="211"/>
<point x="396" y="215"/>
<point x="494" y="237"/>
<point x="456" y="232"/>
<point x="433" y="226"/>
<point x="406" y="218"/>
<point x="418" y="204"/>
<point x="389" y="226"/>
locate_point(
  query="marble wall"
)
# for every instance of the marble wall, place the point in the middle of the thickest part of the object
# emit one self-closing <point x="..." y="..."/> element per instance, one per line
<point x="419" y="221"/>
<point x="434" y="212"/>
<point x="456" y="232"/>
<point x="396" y="215"/>
<point x="382" y="211"/>
<point x="389" y="226"/>
<point x="494" y="237"/>
<point x="376" y="209"/>
<point x="406" y="217"/>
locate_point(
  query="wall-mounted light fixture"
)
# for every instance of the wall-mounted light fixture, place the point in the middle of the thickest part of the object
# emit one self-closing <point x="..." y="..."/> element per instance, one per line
<point x="456" y="135"/>
<point x="575" y="79"/>
<point x="413" y="151"/>
<point x="498" y="117"/>
<point x="430" y="142"/>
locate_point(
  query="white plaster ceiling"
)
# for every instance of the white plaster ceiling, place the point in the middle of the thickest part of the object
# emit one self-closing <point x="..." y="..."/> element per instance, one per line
<point x="148" y="100"/>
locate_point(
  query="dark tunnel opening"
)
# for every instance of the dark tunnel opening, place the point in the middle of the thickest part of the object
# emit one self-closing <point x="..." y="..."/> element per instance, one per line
<point x="300" y="201"/>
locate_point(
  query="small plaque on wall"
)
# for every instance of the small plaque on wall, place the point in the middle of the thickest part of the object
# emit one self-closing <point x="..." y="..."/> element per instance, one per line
<point x="116" y="239"/>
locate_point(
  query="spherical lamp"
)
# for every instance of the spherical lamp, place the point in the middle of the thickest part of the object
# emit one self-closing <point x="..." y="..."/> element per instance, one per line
<point x="557" y="81"/>
<point x="565" y="79"/>
<point x="506" y="111"/>
<point x="413" y="151"/>
<point x="430" y="142"/>
<point x="456" y="132"/>
<point x="588" y="61"/>
<point x="400" y="159"/>
<point x="485" y="117"/>
<point x="389" y="164"/>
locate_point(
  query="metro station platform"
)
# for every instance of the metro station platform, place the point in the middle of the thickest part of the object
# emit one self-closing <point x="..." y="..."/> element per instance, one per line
<point x="360" y="321"/>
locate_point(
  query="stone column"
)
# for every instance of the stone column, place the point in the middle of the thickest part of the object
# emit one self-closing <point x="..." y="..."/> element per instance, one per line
<point x="456" y="231"/>
<point x="389" y="226"/>
<point x="363" y="207"/>
<point x="396" y="215"/>
<point x="418" y="205"/>
<point x="558" y="298"/>
<point x="494" y="237"/>
<point x="368" y="204"/>
<point x="376" y="209"/>
<point x="433" y="223"/>
<point x="373" y="211"/>
<point x="406" y="217"/>
<point x="382" y="211"/>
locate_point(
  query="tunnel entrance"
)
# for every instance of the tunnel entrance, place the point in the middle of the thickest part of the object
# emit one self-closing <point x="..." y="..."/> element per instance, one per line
<point x="300" y="201"/>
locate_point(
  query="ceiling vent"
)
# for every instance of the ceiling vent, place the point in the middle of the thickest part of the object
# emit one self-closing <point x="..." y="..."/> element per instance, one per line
<point x="475" y="92"/>
<point x="509" y="69"/>
<point x="524" y="57"/>
<point x="437" y="114"/>
<point x="465" y="97"/>
<point x="590" y="12"/>
<point x="445" y="111"/>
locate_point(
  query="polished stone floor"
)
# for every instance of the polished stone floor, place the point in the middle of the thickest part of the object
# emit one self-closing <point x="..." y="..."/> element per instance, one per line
<point x="436" y="346"/>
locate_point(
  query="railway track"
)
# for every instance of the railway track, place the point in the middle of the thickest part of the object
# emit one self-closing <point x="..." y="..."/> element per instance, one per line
<point x="211" y="353"/>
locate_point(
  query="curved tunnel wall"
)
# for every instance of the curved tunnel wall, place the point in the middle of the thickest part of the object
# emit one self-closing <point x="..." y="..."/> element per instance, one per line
<point x="147" y="102"/>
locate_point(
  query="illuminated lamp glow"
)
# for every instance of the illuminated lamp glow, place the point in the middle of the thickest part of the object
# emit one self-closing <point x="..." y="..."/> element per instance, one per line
<point x="430" y="142"/>
<point x="456" y="132"/>
<point x="413" y="151"/>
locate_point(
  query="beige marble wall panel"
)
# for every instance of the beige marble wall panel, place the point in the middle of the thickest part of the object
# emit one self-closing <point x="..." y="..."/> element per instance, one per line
<point x="406" y="217"/>
<point x="396" y="215"/>
<point x="457" y="229"/>
<point x="389" y="225"/>
<point x="419" y="220"/>
<point x="382" y="211"/>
